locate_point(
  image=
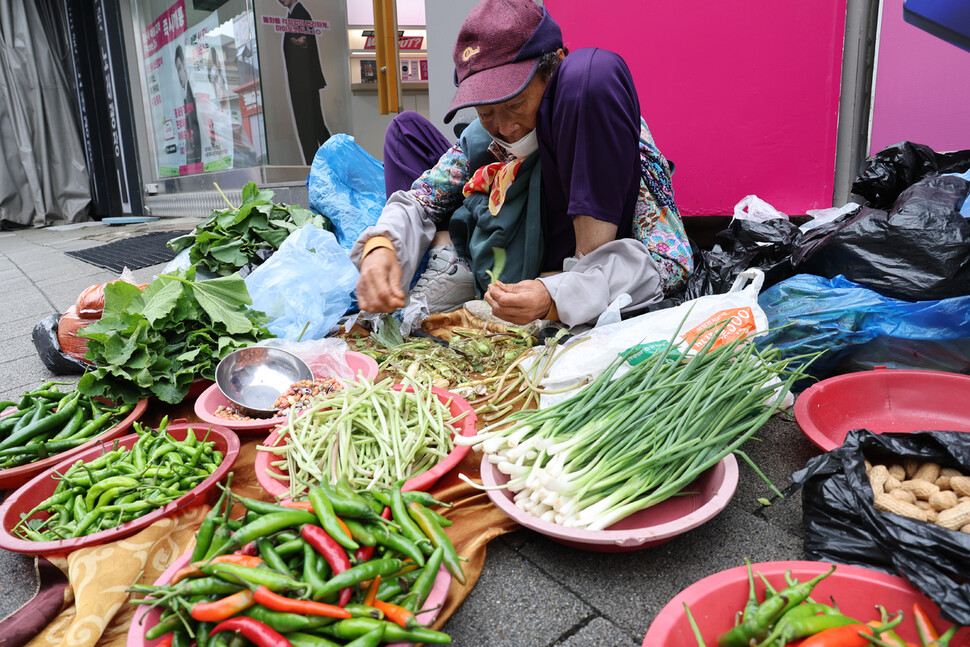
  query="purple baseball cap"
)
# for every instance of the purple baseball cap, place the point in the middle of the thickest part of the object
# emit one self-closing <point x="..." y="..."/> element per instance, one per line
<point x="498" y="50"/>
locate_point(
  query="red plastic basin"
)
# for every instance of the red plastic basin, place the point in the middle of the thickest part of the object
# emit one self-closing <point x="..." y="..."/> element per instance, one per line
<point x="714" y="601"/>
<point x="17" y="476"/>
<point x="883" y="400"/>
<point x="280" y="488"/>
<point x="23" y="500"/>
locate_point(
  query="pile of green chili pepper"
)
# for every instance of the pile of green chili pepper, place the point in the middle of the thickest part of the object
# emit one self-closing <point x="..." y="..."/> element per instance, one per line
<point x="340" y="568"/>
<point x="790" y="616"/>
<point x="47" y="421"/>
<point x="121" y="485"/>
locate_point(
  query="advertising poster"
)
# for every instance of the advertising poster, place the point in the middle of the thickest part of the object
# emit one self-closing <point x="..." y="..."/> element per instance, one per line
<point x="306" y="40"/>
<point x="188" y="94"/>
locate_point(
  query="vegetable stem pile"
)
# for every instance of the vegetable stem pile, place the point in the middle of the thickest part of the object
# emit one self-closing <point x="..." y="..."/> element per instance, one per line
<point x="324" y="571"/>
<point x="625" y="444"/>
<point x="367" y="433"/>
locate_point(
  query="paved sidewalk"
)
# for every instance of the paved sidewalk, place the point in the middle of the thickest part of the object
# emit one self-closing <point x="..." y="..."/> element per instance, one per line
<point x="532" y="592"/>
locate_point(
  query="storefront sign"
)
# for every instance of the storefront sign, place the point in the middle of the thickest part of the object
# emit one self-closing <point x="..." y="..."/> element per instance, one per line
<point x="403" y="42"/>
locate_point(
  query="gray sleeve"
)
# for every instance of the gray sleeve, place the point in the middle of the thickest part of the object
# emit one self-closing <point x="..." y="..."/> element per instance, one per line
<point x="621" y="266"/>
<point x="407" y="225"/>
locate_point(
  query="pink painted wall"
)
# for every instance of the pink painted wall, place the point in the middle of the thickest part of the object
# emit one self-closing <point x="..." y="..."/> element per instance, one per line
<point x="741" y="94"/>
<point x="921" y="92"/>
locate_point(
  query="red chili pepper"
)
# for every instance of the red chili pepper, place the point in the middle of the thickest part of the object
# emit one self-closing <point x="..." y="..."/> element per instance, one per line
<point x="223" y="608"/>
<point x="260" y="634"/>
<point x="248" y="549"/>
<point x="189" y="570"/>
<point x="371" y="593"/>
<point x="924" y="625"/>
<point x="251" y="561"/>
<point x="277" y="602"/>
<point x="333" y="552"/>
<point x="298" y="505"/>
<point x="845" y="636"/>
<point x="397" y="614"/>
<point x="166" y="640"/>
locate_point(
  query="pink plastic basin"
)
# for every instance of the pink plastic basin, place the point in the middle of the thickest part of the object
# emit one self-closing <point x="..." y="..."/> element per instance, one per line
<point x="714" y="600"/>
<point x="280" y="488"/>
<point x="17" y="476"/>
<point x="883" y="400"/>
<point x="212" y="398"/>
<point x="24" y="500"/>
<point x="703" y="499"/>
<point x="145" y="618"/>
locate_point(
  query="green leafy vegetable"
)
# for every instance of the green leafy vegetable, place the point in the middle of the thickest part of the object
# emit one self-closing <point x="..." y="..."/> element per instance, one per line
<point x="232" y="238"/>
<point x="157" y="341"/>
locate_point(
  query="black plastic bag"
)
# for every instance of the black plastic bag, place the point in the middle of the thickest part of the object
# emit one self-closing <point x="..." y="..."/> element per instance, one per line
<point x="49" y="349"/>
<point x="842" y="525"/>
<point x="920" y="250"/>
<point x="901" y="165"/>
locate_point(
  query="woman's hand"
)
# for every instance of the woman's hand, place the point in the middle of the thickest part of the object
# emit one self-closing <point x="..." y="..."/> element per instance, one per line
<point x="379" y="286"/>
<point x="519" y="303"/>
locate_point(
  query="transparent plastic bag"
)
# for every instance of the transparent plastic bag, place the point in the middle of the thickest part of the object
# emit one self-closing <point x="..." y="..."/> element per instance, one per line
<point x="305" y="287"/>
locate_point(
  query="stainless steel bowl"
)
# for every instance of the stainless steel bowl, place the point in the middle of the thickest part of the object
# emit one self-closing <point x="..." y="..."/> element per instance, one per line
<point x="252" y="378"/>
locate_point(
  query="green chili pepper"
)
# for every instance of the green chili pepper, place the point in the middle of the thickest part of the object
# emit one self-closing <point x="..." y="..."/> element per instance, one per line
<point x="263" y="526"/>
<point x="162" y="628"/>
<point x="359" y="573"/>
<point x="370" y="639"/>
<point x="72" y="425"/>
<point x="47" y="423"/>
<point x="438" y="538"/>
<point x="422" y="586"/>
<point x="362" y="534"/>
<point x="98" y="488"/>
<point x="253" y="577"/>
<point x="757" y="625"/>
<point x="328" y="518"/>
<point x="397" y="542"/>
<point x="408" y="526"/>
<point x="364" y="611"/>
<point x="279" y="620"/>
<point x="298" y="639"/>
<point x="311" y="572"/>
<point x="357" y="627"/>
<point x="270" y="556"/>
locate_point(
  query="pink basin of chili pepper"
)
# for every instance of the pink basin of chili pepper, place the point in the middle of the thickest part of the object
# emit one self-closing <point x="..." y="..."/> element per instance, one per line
<point x="25" y="499"/>
<point x="212" y="398"/>
<point x="278" y="485"/>
<point x="146" y="618"/>
<point x="16" y="476"/>
<point x="698" y="502"/>
<point x="714" y="601"/>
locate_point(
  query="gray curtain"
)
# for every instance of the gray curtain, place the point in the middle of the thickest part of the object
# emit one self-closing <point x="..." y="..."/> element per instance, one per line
<point x="43" y="173"/>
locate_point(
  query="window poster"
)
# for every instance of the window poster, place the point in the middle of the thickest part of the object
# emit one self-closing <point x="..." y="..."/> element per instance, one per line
<point x="192" y="78"/>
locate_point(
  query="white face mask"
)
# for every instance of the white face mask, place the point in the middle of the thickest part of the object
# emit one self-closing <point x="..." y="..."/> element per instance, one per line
<point x="522" y="148"/>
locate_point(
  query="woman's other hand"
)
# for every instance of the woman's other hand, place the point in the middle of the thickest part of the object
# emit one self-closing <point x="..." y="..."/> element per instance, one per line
<point x="379" y="286"/>
<point x="519" y="303"/>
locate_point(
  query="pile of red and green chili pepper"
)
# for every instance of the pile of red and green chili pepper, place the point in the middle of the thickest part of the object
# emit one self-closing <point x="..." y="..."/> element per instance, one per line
<point x="121" y="485"/>
<point x="790" y="617"/>
<point x="340" y="568"/>
<point x="47" y="421"/>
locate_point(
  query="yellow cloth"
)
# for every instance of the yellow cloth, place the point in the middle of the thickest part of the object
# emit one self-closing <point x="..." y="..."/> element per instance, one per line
<point x="98" y="612"/>
<point x="495" y="180"/>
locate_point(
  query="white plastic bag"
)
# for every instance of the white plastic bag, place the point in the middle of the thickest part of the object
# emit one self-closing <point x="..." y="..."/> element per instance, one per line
<point x="823" y="216"/>
<point x="754" y="208"/>
<point x="597" y="348"/>
<point x="326" y="357"/>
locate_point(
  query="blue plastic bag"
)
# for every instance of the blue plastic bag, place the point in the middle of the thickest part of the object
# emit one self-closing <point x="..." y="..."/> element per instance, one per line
<point x="859" y="328"/>
<point x="305" y="287"/>
<point x="346" y="184"/>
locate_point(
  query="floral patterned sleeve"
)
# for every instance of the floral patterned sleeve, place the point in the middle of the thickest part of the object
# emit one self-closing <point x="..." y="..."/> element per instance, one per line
<point x="439" y="190"/>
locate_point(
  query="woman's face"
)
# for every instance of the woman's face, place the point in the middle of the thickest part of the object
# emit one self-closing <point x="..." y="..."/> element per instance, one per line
<point x="514" y="119"/>
<point x="180" y="69"/>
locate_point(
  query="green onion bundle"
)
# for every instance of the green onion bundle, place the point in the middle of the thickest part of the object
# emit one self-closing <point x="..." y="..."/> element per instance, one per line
<point x="367" y="433"/>
<point x="625" y="444"/>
